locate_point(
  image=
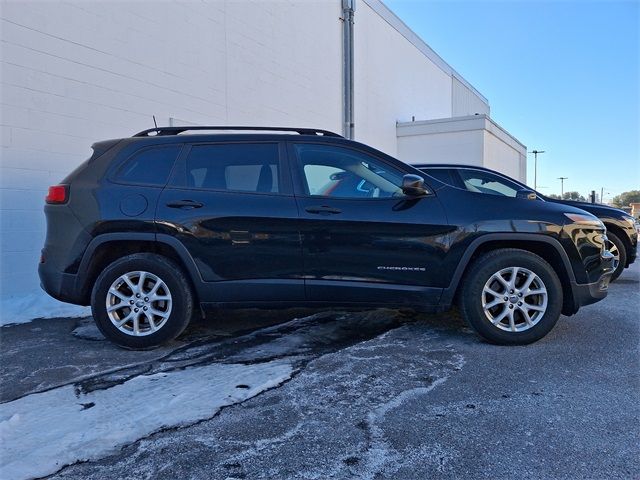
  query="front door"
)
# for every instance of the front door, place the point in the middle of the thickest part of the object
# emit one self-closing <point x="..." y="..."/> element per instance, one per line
<point x="231" y="206"/>
<point x="363" y="239"/>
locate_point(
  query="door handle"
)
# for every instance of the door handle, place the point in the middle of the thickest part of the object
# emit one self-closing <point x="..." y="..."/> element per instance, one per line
<point x="323" y="210"/>
<point x="185" y="204"/>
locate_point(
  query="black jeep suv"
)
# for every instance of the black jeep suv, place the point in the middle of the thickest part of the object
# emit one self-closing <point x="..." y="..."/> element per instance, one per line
<point x="622" y="228"/>
<point x="156" y="227"/>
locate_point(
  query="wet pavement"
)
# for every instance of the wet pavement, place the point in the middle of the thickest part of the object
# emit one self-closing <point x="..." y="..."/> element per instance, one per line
<point x="376" y="394"/>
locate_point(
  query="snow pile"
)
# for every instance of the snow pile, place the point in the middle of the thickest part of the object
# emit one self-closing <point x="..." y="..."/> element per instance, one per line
<point x="43" y="432"/>
<point x="25" y="308"/>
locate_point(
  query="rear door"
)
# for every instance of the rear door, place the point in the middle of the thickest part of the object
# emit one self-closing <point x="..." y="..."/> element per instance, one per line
<point x="363" y="240"/>
<point x="231" y="205"/>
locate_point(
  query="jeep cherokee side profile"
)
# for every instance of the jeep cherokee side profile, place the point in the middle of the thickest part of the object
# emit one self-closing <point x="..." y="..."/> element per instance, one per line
<point x="176" y="221"/>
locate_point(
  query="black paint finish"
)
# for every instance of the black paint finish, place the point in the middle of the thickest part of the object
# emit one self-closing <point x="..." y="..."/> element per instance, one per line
<point x="279" y="246"/>
<point x="617" y="221"/>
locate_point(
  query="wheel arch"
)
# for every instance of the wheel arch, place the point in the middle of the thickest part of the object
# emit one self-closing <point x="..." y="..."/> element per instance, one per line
<point x="545" y="247"/>
<point x="106" y="248"/>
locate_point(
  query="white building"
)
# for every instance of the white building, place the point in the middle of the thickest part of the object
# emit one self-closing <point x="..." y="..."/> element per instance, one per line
<point x="77" y="72"/>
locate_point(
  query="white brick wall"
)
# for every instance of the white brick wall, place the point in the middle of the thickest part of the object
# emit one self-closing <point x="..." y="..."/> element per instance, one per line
<point x="509" y="159"/>
<point x="460" y="148"/>
<point x="464" y="101"/>
<point x="467" y="140"/>
<point x="75" y="72"/>
<point x="393" y="82"/>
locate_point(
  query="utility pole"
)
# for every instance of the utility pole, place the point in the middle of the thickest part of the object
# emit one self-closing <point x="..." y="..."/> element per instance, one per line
<point x="535" y="167"/>
<point x="562" y="179"/>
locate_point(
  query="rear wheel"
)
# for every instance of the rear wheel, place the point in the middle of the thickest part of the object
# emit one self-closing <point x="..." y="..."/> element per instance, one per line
<point x="616" y="247"/>
<point x="511" y="297"/>
<point x="142" y="301"/>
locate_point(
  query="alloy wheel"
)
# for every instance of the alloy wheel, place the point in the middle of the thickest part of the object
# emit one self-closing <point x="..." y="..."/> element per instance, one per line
<point x="514" y="299"/>
<point x="138" y="303"/>
<point x="616" y="254"/>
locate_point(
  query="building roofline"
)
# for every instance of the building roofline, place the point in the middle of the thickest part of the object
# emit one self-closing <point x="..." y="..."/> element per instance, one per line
<point x="458" y="124"/>
<point x="392" y="19"/>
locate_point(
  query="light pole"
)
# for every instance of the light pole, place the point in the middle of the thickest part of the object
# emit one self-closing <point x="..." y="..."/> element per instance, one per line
<point x="535" y="167"/>
<point x="562" y="179"/>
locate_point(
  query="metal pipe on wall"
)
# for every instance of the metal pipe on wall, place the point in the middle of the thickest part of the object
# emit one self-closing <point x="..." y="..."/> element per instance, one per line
<point x="348" y="11"/>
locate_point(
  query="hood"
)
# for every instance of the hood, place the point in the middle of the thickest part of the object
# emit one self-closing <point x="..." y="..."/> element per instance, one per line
<point x="593" y="208"/>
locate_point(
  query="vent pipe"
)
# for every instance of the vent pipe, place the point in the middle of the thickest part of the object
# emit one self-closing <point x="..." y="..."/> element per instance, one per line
<point x="348" y="11"/>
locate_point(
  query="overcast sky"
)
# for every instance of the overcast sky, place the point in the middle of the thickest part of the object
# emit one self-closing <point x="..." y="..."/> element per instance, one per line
<point x="560" y="76"/>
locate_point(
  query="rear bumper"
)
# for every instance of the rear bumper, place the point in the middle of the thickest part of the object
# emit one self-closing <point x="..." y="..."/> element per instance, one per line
<point x="61" y="286"/>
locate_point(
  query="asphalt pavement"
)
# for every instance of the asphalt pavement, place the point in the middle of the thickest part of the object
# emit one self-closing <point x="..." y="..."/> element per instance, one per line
<point x="377" y="395"/>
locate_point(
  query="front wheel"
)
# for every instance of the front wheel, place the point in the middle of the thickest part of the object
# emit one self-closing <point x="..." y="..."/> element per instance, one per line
<point x="142" y="301"/>
<point x="511" y="297"/>
<point x="616" y="247"/>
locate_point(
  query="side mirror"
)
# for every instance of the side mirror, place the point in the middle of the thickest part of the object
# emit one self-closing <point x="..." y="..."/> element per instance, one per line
<point x="413" y="185"/>
<point x="526" y="194"/>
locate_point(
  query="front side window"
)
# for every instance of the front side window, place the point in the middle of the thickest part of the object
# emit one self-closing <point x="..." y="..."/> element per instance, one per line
<point x="150" y="166"/>
<point x="332" y="171"/>
<point x="442" y="174"/>
<point x="239" y="167"/>
<point x="485" y="182"/>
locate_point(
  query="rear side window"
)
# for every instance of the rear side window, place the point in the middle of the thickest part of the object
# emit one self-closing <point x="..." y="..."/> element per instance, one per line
<point x="238" y="167"/>
<point x="150" y="166"/>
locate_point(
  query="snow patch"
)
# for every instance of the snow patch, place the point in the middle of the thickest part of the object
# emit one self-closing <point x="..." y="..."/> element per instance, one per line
<point x="87" y="330"/>
<point x="43" y="432"/>
<point x="381" y="456"/>
<point x="24" y="308"/>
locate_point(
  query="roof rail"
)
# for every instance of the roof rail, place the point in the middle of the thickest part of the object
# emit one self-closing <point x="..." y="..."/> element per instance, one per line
<point x="177" y="130"/>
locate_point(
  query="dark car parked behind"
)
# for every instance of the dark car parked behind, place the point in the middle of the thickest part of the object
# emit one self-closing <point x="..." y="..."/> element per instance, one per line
<point x="622" y="228"/>
<point x="175" y="221"/>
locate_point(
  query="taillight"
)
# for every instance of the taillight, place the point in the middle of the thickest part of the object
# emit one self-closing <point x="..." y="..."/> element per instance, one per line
<point x="58" y="194"/>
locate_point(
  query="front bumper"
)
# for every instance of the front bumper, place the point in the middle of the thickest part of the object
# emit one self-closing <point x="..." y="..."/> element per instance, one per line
<point x="632" y="254"/>
<point x="588" y="293"/>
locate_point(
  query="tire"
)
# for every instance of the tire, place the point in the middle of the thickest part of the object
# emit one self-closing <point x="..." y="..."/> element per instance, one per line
<point x="618" y="249"/>
<point x="159" y="316"/>
<point x="491" y="322"/>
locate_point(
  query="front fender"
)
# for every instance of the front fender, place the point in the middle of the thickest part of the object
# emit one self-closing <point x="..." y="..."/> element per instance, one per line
<point x="504" y="240"/>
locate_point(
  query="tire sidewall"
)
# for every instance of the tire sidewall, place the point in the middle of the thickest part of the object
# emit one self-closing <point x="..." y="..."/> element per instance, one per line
<point x="181" y="308"/>
<point x="622" y="255"/>
<point x="472" y="297"/>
